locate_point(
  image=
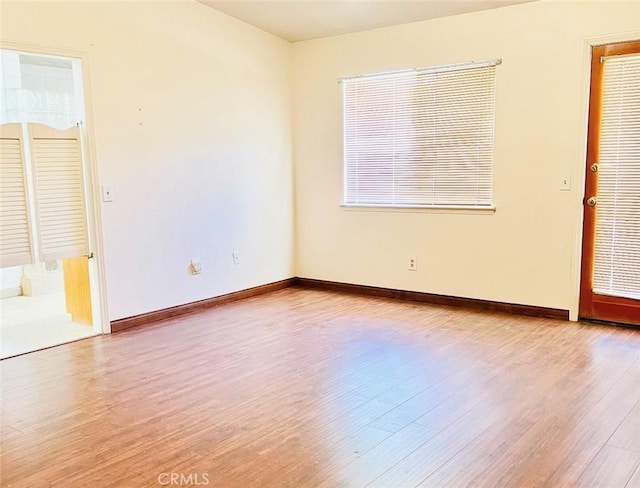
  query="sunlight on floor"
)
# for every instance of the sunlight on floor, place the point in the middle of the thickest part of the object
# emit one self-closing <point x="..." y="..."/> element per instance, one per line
<point x="32" y="323"/>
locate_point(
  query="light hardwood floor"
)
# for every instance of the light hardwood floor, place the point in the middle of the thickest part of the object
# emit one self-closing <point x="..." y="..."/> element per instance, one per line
<point x="302" y="388"/>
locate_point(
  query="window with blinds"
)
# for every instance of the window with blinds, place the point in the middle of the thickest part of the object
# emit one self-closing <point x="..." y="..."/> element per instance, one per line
<point x="420" y="138"/>
<point x="616" y="269"/>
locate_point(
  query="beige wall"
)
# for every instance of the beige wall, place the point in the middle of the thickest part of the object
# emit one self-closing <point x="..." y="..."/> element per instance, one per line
<point x="192" y="127"/>
<point x="528" y="251"/>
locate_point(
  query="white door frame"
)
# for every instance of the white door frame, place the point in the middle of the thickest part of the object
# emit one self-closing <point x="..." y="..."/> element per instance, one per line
<point x="94" y="223"/>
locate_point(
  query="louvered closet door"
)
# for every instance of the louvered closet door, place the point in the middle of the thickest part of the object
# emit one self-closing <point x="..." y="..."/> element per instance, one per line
<point x="59" y="192"/>
<point x="15" y="235"/>
<point x="611" y="245"/>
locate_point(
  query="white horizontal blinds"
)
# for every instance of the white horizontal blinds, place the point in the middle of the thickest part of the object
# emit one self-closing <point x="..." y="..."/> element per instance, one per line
<point x="420" y="138"/>
<point x="617" y="240"/>
<point x="15" y="237"/>
<point x="465" y="113"/>
<point x="59" y="186"/>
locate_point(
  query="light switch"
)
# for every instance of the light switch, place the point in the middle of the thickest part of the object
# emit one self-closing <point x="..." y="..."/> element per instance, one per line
<point x="565" y="183"/>
<point x="107" y="195"/>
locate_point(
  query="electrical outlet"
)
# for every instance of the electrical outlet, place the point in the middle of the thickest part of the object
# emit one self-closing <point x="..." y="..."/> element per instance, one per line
<point x="195" y="266"/>
<point x="413" y="264"/>
<point x="236" y="257"/>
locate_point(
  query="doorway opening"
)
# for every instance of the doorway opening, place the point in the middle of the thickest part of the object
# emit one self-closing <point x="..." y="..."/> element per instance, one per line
<point x="49" y="289"/>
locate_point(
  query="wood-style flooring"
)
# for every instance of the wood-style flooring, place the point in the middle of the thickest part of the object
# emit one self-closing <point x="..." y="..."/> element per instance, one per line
<point x="305" y="388"/>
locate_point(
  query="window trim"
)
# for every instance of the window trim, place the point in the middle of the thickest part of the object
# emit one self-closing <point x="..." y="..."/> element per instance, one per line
<point x="462" y="209"/>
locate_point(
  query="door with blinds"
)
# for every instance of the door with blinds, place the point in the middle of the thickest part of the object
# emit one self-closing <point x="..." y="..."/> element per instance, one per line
<point x="610" y="280"/>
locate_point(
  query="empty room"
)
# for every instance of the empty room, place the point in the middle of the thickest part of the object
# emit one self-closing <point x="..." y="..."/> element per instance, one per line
<point x="309" y="243"/>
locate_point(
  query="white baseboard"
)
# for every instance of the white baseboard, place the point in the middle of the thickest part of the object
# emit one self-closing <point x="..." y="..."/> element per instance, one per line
<point x="11" y="292"/>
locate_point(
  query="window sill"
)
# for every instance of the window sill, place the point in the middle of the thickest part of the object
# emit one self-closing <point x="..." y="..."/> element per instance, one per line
<point x="459" y="209"/>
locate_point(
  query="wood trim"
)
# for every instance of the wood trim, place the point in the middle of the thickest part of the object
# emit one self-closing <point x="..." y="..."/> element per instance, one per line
<point x="615" y="309"/>
<point x="592" y="306"/>
<point x="591" y="184"/>
<point x="416" y="296"/>
<point x="150" y="318"/>
<point x="166" y="313"/>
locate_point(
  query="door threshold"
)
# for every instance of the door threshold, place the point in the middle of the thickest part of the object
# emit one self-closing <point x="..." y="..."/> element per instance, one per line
<point x="608" y="322"/>
<point x="93" y="335"/>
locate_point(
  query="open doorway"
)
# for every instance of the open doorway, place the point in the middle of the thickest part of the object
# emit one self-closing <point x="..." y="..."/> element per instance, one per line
<point x="35" y="314"/>
<point x="48" y="292"/>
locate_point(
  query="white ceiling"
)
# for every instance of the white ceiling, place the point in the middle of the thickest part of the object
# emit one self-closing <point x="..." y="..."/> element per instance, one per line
<point x="299" y="20"/>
